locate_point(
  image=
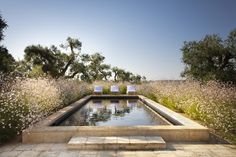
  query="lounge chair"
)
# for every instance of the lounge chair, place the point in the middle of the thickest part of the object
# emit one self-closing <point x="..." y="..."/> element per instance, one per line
<point x="98" y="89"/>
<point x="131" y="89"/>
<point x="114" y="89"/>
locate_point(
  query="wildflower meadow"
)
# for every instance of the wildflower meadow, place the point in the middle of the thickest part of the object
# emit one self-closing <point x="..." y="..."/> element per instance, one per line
<point x="25" y="101"/>
<point x="213" y="104"/>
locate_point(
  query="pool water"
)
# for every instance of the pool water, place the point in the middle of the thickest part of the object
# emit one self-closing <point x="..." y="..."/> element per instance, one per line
<point x="114" y="112"/>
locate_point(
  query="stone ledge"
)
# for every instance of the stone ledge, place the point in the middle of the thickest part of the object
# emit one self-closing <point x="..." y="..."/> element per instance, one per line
<point x="117" y="143"/>
<point x="172" y="116"/>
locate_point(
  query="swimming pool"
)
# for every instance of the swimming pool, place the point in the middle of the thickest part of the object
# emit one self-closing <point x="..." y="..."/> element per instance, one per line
<point x="115" y="115"/>
<point x="114" y="112"/>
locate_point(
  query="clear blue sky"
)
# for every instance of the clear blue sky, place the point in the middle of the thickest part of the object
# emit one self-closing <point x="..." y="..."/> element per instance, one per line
<point x="143" y="37"/>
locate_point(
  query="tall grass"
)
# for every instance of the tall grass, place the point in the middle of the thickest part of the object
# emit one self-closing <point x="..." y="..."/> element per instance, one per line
<point x="25" y="101"/>
<point x="214" y="103"/>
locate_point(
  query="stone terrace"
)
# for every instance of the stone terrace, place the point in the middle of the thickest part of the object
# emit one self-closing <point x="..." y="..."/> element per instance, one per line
<point x="173" y="150"/>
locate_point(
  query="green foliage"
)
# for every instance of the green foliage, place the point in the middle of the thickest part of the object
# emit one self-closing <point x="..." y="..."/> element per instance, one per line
<point x="56" y="63"/>
<point x="116" y="71"/>
<point x="136" y="79"/>
<point x="169" y="103"/>
<point x="106" y="90"/>
<point x="6" y="61"/>
<point x="122" y="75"/>
<point x="193" y="111"/>
<point x="53" y="61"/>
<point x="10" y="117"/>
<point x="96" y="69"/>
<point x="3" y="25"/>
<point x="36" y="71"/>
<point x="152" y="97"/>
<point x="211" y="58"/>
<point x="123" y="89"/>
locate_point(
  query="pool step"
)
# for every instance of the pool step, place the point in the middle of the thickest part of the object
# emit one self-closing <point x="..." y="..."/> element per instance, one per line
<point x="117" y="143"/>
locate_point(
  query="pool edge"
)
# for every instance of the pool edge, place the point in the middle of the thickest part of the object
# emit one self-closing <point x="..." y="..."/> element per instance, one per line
<point x="188" y="130"/>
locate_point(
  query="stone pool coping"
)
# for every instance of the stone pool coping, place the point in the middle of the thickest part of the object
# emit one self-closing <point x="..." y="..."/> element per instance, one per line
<point x="183" y="129"/>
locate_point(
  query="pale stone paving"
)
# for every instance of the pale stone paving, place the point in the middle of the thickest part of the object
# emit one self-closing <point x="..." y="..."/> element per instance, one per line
<point x="117" y="143"/>
<point x="173" y="150"/>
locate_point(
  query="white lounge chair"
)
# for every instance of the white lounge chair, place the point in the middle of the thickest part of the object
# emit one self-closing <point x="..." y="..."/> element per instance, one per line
<point x="114" y="89"/>
<point x="131" y="89"/>
<point x="98" y="89"/>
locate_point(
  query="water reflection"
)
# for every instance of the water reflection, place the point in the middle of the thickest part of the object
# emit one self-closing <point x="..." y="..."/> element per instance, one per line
<point x="119" y="109"/>
<point x="113" y="112"/>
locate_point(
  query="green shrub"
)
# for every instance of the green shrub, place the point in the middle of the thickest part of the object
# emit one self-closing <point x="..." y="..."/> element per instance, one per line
<point x="106" y="90"/>
<point x="168" y="103"/>
<point x="123" y="89"/>
<point x="152" y="97"/>
<point x="193" y="111"/>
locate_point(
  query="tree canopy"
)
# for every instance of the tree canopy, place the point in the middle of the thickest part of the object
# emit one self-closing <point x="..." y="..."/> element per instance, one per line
<point x="3" y="25"/>
<point x="6" y="59"/>
<point x="52" y="60"/>
<point x="68" y="62"/>
<point x="211" y="58"/>
<point x="64" y="61"/>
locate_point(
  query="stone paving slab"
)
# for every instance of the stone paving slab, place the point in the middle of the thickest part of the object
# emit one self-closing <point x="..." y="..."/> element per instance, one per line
<point x="78" y="140"/>
<point x="173" y="150"/>
<point x="49" y="154"/>
<point x="92" y="140"/>
<point x="117" y="143"/>
<point x="30" y="153"/>
<point x="110" y="140"/>
<point x="121" y="140"/>
<point x="140" y="139"/>
<point x="58" y="147"/>
<point x="10" y="153"/>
